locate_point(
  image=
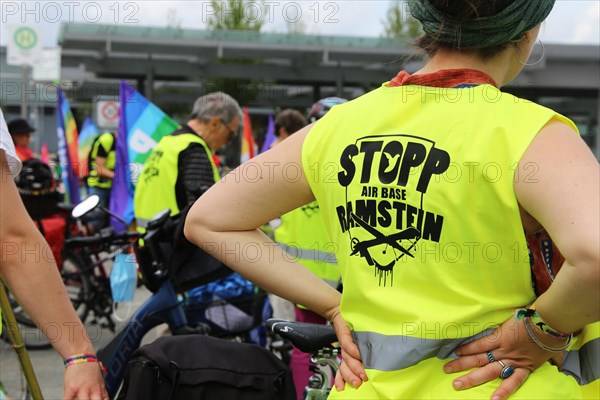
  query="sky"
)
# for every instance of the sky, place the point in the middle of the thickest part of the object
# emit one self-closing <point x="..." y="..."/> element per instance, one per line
<point x="571" y="21"/>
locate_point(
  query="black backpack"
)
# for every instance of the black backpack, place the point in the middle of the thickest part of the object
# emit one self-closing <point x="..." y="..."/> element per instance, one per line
<point x="196" y="367"/>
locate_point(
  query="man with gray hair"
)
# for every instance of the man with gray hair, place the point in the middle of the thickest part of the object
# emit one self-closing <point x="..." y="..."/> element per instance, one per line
<point x="181" y="167"/>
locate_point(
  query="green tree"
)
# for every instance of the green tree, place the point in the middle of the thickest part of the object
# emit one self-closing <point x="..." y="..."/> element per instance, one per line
<point x="241" y="15"/>
<point x="173" y="21"/>
<point x="399" y="24"/>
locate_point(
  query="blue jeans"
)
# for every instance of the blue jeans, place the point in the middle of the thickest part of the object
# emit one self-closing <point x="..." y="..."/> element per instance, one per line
<point x="104" y="194"/>
<point x="99" y="219"/>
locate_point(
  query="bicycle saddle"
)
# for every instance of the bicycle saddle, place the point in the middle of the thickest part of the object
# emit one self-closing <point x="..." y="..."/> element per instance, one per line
<point x="306" y="337"/>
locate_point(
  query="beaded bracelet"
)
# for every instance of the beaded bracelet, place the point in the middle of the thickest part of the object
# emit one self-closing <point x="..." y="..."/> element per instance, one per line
<point x="80" y="358"/>
<point x="84" y="358"/>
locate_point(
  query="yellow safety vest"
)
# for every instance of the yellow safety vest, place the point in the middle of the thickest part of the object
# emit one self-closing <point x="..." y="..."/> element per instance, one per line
<point x="302" y="234"/>
<point x="415" y="185"/>
<point x="107" y="141"/>
<point x="155" y="190"/>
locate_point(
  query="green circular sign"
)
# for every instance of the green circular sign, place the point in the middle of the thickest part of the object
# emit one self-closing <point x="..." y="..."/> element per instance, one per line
<point x="25" y="38"/>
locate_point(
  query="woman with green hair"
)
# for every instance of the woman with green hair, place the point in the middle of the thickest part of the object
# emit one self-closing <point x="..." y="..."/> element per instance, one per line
<point x="429" y="187"/>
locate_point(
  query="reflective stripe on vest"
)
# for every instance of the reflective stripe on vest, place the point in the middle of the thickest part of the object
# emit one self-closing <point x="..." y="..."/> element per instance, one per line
<point x="309" y="254"/>
<point x="582" y="359"/>
<point x="319" y="256"/>
<point x="583" y="364"/>
<point x="392" y="353"/>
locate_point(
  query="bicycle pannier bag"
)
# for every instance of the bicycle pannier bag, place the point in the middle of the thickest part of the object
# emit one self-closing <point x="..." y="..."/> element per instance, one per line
<point x="189" y="265"/>
<point x="203" y="367"/>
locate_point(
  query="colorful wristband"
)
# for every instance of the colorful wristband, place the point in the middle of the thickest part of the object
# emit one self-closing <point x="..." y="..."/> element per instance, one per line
<point x="540" y="324"/>
<point x="527" y="323"/>
<point x="84" y="358"/>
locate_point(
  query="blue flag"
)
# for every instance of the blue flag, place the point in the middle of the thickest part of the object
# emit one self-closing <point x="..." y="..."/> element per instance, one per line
<point x="141" y="126"/>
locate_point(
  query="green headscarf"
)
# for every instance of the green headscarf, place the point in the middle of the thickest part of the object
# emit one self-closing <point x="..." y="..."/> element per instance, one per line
<point x="509" y="24"/>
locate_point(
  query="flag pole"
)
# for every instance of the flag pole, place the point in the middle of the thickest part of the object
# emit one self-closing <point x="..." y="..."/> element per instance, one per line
<point x="17" y="344"/>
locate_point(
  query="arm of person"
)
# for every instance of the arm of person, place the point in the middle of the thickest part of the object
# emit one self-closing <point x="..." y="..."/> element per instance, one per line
<point x="563" y="197"/>
<point x="195" y="174"/>
<point x="100" y="160"/>
<point x="566" y="201"/>
<point x="225" y="222"/>
<point x="103" y="171"/>
<point x="31" y="274"/>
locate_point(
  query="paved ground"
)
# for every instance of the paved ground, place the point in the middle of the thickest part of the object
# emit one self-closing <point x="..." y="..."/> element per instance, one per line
<point x="48" y="365"/>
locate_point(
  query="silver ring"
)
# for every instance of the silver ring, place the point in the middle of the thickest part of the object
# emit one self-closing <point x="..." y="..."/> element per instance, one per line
<point x="507" y="370"/>
<point x="490" y="357"/>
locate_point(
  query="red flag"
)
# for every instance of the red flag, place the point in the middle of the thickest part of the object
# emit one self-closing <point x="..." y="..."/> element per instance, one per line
<point x="44" y="156"/>
<point x="248" y="144"/>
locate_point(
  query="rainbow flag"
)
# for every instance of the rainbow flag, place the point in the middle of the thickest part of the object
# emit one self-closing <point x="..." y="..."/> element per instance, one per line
<point x="89" y="133"/>
<point x="141" y="126"/>
<point x="66" y="131"/>
<point x="270" y="136"/>
<point x="248" y="145"/>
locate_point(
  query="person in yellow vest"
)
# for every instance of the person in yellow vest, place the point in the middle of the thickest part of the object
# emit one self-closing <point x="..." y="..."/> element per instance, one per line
<point x="101" y="167"/>
<point x="303" y="235"/>
<point x="181" y="167"/>
<point x="429" y="185"/>
<point x="286" y="123"/>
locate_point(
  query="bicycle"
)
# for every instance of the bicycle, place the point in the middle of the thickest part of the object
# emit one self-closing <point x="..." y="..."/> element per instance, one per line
<point x="169" y="268"/>
<point x="317" y="340"/>
<point x="84" y="273"/>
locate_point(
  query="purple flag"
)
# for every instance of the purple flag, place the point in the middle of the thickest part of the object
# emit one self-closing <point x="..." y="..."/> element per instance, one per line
<point x="270" y="137"/>
<point x="121" y="194"/>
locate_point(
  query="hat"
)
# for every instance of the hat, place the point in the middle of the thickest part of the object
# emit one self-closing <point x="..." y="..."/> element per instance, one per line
<point x="19" y="126"/>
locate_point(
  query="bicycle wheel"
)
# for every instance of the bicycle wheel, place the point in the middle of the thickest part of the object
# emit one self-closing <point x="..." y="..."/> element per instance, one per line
<point x="33" y="337"/>
<point x="77" y="283"/>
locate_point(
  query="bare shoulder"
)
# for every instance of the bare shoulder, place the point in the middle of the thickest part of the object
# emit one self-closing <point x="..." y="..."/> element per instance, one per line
<point x="555" y="153"/>
<point x="563" y="193"/>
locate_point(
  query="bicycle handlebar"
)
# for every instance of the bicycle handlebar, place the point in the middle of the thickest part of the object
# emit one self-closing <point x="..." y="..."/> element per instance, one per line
<point x="102" y="239"/>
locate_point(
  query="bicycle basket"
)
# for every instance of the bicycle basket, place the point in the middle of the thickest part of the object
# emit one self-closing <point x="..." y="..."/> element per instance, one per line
<point x="230" y="305"/>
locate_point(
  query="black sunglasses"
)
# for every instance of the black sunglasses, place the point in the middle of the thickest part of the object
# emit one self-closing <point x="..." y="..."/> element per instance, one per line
<point x="231" y="132"/>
